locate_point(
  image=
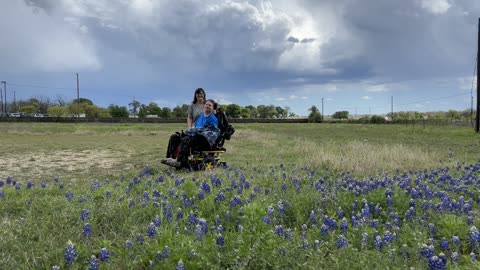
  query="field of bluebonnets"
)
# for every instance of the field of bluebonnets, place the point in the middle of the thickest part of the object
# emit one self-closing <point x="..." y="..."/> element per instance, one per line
<point x="307" y="196"/>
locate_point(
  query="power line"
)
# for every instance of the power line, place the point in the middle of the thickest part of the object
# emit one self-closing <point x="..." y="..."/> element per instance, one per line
<point x="38" y="86"/>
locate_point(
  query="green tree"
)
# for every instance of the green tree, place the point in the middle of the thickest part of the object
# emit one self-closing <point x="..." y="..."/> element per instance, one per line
<point x="315" y="116"/>
<point x="252" y="110"/>
<point x="340" y="115"/>
<point x="29" y="109"/>
<point x="233" y="110"/>
<point x="134" y="106"/>
<point x="452" y="115"/>
<point x="245" y="113"/>
<point x="279" y="112"/>
<point x="117" y="111"/>
<point x="57" y="111"/>
<point x="166" y="112"/>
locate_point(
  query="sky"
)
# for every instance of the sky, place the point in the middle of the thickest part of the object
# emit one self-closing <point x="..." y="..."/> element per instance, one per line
<point x="353" y="55"/>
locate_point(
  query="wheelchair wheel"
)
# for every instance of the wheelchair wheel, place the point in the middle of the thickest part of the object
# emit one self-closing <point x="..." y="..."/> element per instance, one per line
<point x="208" y="163"/>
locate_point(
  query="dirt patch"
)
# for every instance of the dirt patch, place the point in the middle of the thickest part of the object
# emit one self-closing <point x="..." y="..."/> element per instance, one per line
<point x="39" y="165"/>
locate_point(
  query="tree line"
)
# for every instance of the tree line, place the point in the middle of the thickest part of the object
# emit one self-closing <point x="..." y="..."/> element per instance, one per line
<point x="58" y="107"/>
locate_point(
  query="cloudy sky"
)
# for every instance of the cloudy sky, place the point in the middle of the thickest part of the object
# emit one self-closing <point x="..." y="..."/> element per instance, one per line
<point x="355" y="54"/>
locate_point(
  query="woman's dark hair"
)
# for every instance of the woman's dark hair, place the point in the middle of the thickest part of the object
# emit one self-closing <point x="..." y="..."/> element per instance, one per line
<point x="199" y="90"/>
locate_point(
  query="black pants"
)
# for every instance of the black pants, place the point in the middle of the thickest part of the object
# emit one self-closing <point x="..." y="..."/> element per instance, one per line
<point x="190" y="144"/>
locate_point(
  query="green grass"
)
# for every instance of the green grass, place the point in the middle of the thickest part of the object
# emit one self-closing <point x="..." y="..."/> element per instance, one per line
<point x="46" y="150"/>
<point x="300" y="166"/>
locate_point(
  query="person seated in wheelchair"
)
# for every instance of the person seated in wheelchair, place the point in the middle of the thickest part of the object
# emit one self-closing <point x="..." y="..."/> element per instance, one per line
<point x="203" y="135"/>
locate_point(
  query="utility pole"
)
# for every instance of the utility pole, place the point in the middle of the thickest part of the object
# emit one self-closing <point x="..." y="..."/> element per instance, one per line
<point x="5" y="96"/>
<point x="477" y="118"/>
<point x="14" y="102"/>
<point x="322" y="108"/>
<point x="78" y="99"/>
<point x="1" y="102"/>
<point x="392" y="108"/>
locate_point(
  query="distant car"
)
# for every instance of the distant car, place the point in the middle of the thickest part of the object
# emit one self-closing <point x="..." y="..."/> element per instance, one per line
<point x="37" y="115"/>
<point x="13" y="114"/>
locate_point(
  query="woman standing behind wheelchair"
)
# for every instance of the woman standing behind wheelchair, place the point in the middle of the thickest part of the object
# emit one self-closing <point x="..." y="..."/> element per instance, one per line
<point x="204" y="134"/>
<point x="194" y="110"/>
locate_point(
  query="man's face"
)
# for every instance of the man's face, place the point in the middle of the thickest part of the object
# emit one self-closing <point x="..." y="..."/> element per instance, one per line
<point x="208" y="107"/>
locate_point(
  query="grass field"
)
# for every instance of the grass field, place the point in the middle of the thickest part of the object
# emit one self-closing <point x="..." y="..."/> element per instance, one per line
<point x="293" y="196"/>
<point x="39" y="151"/>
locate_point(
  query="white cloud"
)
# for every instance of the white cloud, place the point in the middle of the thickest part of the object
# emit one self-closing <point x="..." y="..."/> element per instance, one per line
<point x="377" y="88"/>
<point x="366" y="98"/>
<point x="436" y="6"/>
<point x="280" y="99"/>
<point x="41" y="42"/>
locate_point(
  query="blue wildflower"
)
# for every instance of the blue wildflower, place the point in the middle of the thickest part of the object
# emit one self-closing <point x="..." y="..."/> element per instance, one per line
<point x="270" y="211"/>
<point x="128" y="244"/>
<point x="87" y="230"/>
<point x="341" y="242"/>
<point x="180" y="265"/>
<point x="166" y="252"/>
<point x="388" y="237"/>
<point x="456" y="240"/>
<point x="278" y="230"/>
<point x="201" y="194"/>
<point x="157" y="221"/>
<point x="70" y="254"/>
<point x="324" y="229"/>
<point x="17" y="186"/>
<point x="235" y="201"/>
<point x="140" y="238"/>
<point x="151" y="230"/>
<point x="220" y="241"/>
<point x="84" y="215"/>
<point x="104" y="255"/>
<point x="93" y="264"/>
<point x="435" y="263"/>
<point x="1" y="194"/>
<point x="205" y="187"/>
<point x="455" y="257"/>
<point x="377" y="242"/>
<point x="281" y="208"/>
<point x="444" y="245"/>
<point x="266" y="220"/>
<point x="344" y="225"/>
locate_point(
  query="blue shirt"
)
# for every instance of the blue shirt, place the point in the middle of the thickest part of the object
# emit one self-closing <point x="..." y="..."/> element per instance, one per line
<point x="203" y="121"/>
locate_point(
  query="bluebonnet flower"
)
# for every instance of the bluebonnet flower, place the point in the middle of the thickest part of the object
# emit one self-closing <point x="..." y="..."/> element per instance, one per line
<point x="344" y="225"/>
<point x="108" y="194"/>
<point x="389" y="201"/>
<point x="281" y="208"/>
<point x="313" y="218"/>
<point x="267" y="191"/>
<point x="470" y="220"/>
<point x="431" y="227"/>
<point x="198" y="232"/>
<point x="203" y="224"/>
<point x="288" y="233"/>
<point x="331" y="223"/>
<point x="1" y="183"/>
<point x="168" y="212"/>
<point x="192" y="219"/>
<point x="157" y="221"/>
<point x="266" y="220"/>
<point x="131" y="203"/>
<point x="87" y="230"/>
<point x="456" y="240"/>
<point x="474" y="236"/>
<point x="159" y="255"/>
<point x="435" y="263"/>
<point x="270" y="211"/>
<point x="201" y="195"/>
<point x="444" y="244"/>
<point x="205" y="187"/>
<point x="388" y="237"/>
<point x="61" y="186"/>
<point x="455" y="257"/>
<point x="341" y="242"/>
<point x="340" y="213"/>
<point x="426" y="251"/>
<point x="17" y="186"/>
<point x="235" y="201"/>
<point x="166" y="252"/>
<point x="128" y="244"/>
<point x="146" y="196"/>
<point x="240" y="228"/>
<point x="9" y="180"/>
<point x="374" y="223"/>
<point x="151" y="230"/>
<point x="377" y="242"/>
<point x="278" y="230"/>
<point x="404" y="251"/>
<point x="140" y="239"/>
<point x="93" y="264"/>
<point x="29" y="184"/>
<point x="104" y="255"/>
<point x="324" y="229"/>
<point x="180" y="265"/>
<point x="410" y="213"/>
<point x="220" y="241"/>
<point x="219" y="198"/>
<point x="84" y="215"/>
<point x="70" y="254"/>
<point x="179" y="214"/>
<point x="411" y="203"/>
